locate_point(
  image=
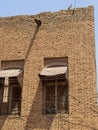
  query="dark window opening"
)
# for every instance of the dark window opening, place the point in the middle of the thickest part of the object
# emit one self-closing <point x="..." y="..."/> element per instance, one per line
<point x="54" y="77"/>
<point x="10" y="96"/>
<point x="55" y="96"/>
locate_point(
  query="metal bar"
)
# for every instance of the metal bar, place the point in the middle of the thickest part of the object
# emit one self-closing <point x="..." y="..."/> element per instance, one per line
<point x="56" y="96"/>
<point x="44" y="107"/>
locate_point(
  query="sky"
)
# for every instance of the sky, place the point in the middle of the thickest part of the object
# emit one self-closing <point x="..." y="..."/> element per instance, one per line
<point x="30" y="7"/>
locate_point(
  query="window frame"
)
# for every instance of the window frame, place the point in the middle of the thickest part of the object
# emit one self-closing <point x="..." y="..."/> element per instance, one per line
<point x="56" y="62"/>
<point x="56" y="85"/>
<point x="8" y="109"/>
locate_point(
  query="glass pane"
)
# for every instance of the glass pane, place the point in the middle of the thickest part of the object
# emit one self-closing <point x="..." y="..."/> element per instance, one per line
<point x="50" y="98"/>
<point x="61" y="97"/>
<point x="13" y="81"/>
<point x="14" y="96"/>
<point x="2" y="82"/>
<point x="4" y="108"/>
<point x="1" y="94"/>
<point x="3" y="97"/>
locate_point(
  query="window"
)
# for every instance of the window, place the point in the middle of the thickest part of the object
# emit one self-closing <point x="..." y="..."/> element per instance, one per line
<point x="10" y="91"/>
<point x="55" y="86"/>
<point x="55" y="96"/>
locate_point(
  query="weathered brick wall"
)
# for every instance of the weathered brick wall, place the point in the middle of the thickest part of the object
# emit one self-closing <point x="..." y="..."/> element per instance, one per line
<point x="61" y="34"/>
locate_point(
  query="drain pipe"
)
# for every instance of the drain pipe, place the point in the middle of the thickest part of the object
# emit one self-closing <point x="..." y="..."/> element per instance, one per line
<point x="38" y="22"/>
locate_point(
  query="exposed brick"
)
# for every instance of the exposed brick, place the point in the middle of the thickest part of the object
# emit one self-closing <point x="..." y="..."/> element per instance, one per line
<point x="61" y="34"/>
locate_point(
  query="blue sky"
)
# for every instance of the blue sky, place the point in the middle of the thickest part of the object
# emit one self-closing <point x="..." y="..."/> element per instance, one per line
<point x="22" y="7"/>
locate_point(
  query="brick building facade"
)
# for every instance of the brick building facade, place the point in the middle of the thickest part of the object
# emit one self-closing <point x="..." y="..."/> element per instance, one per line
<point x="37" y="58"/>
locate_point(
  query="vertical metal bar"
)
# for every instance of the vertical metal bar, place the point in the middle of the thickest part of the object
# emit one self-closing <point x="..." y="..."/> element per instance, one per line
<point x="44" y="87"/>
<point x="10" y="99"/>
<point x="1" y="99"/>
<point x="56" y="96"/>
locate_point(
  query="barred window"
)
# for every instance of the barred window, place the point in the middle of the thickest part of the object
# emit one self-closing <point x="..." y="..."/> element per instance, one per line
<point x="54" y="79"/>
<point x="10" y="92"/>
<point x="55" y="96"/>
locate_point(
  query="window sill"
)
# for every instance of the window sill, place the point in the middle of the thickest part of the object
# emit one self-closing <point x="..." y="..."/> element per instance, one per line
<point x="66" y="113"/>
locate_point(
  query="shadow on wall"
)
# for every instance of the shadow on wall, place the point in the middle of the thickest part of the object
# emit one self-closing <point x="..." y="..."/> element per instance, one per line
<point x="36" y="120"/>
<point x="30" y="119"/>
<point x="31" y="44"/>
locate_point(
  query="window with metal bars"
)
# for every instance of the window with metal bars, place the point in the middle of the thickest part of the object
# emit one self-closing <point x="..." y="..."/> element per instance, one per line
<point x="10" y="96"/>
<point x="54" y="79"/>
<point x="55" y="96"/>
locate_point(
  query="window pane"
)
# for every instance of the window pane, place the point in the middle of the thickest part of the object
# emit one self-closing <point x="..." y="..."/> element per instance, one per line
<point x="56" y="100"/>
<point x="13" y="81"/>
<point x="14" y="96"/>
<point x="15" y="102"/>
<point x="50" y="98"/>
<point x="61" y="97"/>
<point x="3" y="97"/>
<point x="4" y="108"/>
<point x="1" y="90"/>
